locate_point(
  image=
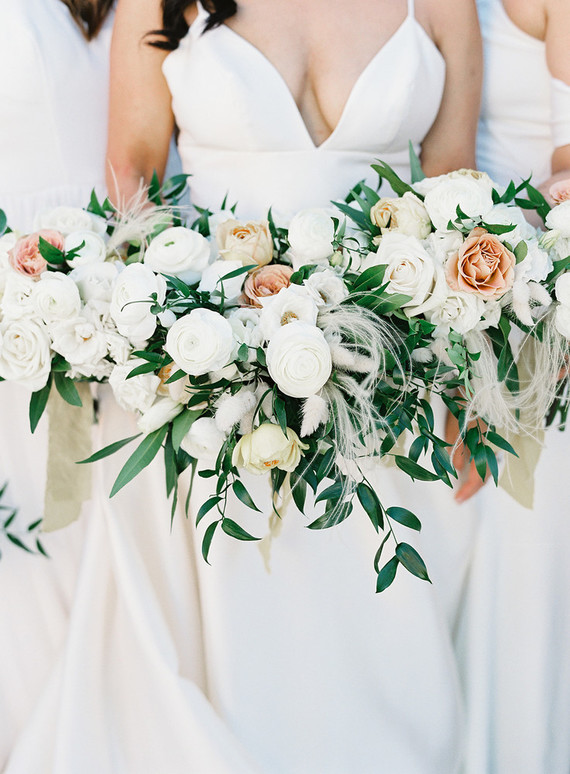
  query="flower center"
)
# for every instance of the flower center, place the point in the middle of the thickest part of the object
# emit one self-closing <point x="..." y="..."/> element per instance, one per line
<point x="288" y="317"/>
<point x="271" y="463"/>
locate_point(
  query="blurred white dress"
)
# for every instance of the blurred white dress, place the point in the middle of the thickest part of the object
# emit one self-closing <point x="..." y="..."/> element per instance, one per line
<point x="515" y="633"/>
<point x="310" y="668"/>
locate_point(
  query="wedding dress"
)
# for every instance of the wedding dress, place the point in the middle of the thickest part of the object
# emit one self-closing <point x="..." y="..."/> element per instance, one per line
<point x="515" y="632"/>
<point x="310" y="669"/>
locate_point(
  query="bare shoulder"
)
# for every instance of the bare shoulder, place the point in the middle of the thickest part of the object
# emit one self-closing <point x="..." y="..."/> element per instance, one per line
<point x="558" y="38"/>
<point x="448" y="21"/>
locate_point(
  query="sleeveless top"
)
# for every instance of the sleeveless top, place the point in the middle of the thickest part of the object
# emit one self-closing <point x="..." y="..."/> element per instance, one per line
<point x="53" y="109"/>
<point x="525" y="113"/>
<point x="242" y="134"/>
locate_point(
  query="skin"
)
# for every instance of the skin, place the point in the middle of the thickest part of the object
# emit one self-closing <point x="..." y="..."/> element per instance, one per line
<point x="320" y="50"/>
<point x="548" y="21"/>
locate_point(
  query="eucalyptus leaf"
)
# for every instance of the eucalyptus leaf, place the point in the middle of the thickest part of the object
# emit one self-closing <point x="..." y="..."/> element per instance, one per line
<point x="142" y="456"/>
<point x="234" y="530"/>
<point x="412" y="561"/>
<point x="108" y="450"/>
<point x="387" y="574"/>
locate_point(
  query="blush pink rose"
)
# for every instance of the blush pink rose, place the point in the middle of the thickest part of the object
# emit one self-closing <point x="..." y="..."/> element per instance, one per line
<point x="482" y="266"/>
<point x="560" y="191"/>
<point x="25" y="256"/>
<point x="266" y="281"/>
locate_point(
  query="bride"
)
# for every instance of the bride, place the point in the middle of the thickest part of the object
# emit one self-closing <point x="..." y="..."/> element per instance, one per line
<point x="286" y="103"/>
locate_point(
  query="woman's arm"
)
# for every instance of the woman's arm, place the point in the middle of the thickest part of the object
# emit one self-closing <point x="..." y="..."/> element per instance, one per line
<point x="140" y="117"/>
<point x="450" y="143"/>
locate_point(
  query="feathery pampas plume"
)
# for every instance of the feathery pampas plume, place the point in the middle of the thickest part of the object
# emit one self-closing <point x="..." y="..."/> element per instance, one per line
<point x="315" y="413"/>
<point x="231" y="409"/>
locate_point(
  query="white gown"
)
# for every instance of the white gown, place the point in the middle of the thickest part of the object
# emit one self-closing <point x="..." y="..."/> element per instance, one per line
<point x="310" y="669"/>
<point x="515" y="634"/>
<point x="101" y="667"/>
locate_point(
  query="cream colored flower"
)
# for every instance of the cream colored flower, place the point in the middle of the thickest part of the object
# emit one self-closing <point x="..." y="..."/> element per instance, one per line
<point x="268" y="447"/>
<point x="248" y="243"/>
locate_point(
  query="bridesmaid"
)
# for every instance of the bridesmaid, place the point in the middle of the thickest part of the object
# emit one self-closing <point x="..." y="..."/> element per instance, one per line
<point x="515" y="633"/>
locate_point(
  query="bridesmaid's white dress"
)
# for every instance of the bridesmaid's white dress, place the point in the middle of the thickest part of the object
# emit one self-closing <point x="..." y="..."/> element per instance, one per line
<point x="310" y="668"/>
<point x="515" y="633"/>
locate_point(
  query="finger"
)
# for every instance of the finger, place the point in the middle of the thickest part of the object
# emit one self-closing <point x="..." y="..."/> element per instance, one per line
<point x="471" y="486"/>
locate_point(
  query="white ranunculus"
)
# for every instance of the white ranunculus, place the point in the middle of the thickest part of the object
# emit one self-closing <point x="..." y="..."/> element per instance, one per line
<point x="204" y="440"/>
<point x="471" y="195"/>
<point x="56" y="297"/>
<point x="562" y="289"/>
<point x="137" y="393"/>
<point x="131" y="301"/>
<point x="80" y="342"/>
<point x="213" y="278"/>
<point x="162" y="411"/>
<point x="268" y="447"/>
<point x="292" y="304"/>
<point x="93" y="250"/>
<point x="69" y="219"/>
<point x="95" y="281"/>
<point x="460" y="312"/>
<point x="17" y="300"/>
<point x="179" y="252"/>
<point x="25" y="355"/>
<point x="326" y="287"/>
<point x="537" y="264"/>
<point x="558" y="219"/>
<point x="299" y="359"/>
<point x="311" y="233"/>
<point x="410" y="269"/>
<point x="200" y="342"/>
<point x="406" y="214"/>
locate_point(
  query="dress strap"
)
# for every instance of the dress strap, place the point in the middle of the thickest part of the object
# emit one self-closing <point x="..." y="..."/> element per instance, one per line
<point x="411" y="8"/>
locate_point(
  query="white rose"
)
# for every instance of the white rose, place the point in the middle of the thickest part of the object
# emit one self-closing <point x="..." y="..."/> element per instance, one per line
<point x="245" y="325"/>
<point x="291" y="304"/>
<point x="204" y="440"/>
<point x="562" y="289"/>
<point x="17" y="300"/>
<point x="506" y="215"/>
<point x="179" y="252"/>
<point x="56" y="297"/>
<point x="200" y="342"/>
<point x="299" y="359"/>
<point x="25" y="355"/>
<point x="69" y="219"/>
<point x="80" y="342"/>
<point x="268" y="447"/>
<point x="118" y="346"/>
<point x="460" y="312"/>
<point x="95" y="281"/>
<point x="410" y="270"/>
<point x="162" y="411"/>
<point x="558" y="219"/>
<point x="311" y="233"/>
<point x="326" y="287"/>
<point x="442" y="244"/>
<point x="536" y="266"/>
<point x="131" y="301"/>
<point x="93" y="250"/>
<point x="213" y="278"/>
<point x="562" y="320"/>
<point x="472" y="196"/>
<point x="407" y="215"/>
<point x="138" y="392"/>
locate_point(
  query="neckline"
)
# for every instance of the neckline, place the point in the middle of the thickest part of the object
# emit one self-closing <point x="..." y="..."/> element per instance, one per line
<point x="522" y="33"/>
<point x="355" y="87"/>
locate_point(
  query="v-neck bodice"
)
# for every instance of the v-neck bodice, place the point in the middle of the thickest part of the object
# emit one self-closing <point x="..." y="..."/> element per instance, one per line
<point x="241" y="130"/>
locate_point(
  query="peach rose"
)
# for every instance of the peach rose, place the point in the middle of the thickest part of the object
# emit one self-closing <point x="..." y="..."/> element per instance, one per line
<point x="560" y="191"/>
<point x="245" y="242"/>
<point x="266" y="281"/>
<point x="25" y="256"/>
<point x="483" y="266"/>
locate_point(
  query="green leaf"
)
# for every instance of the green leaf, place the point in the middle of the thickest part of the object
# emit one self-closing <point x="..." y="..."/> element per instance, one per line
<point x="238" y="272"/>
<point x="242" y="493"/>
<point x="142" y="456"/>
<point x="3" y="222"/>
<point x="386" y="172"/>
<point x="357" y="216"/>
<point x="500" y="442"/>
<point x="50" y="253"/>
<point x="480" y="458"/>
<point x="379" y="553"/>
<point x="332" y="516"/>
<point x="41" y="549"/>
<point x="416" y="170"/>
<point x="405" y="517"/>
<point x="387" y="574"/>
<point x="521" y="251"/>
<point x="299" y="492"/>
<point x="280" y="410"/>
<point x="10" y="518"/>
<point x="108" y="450"/>
<point x="207" y="507"/>
<point x="370" y="278"/>
<point x="38" y="402"/>
<point x="371" y="504"/>
<point x="234" y="530"/>
<point x="332" y="492"/>
<point x="207" y="541"/>
<point x="492" y="464"/>
<point x="326" y="463"/>
<point x="17" y="542"/>
<point x="170" y="468"/>
<point x="67" y="389"/>
<point x="412" y="561"/>
<point x="414" y="470"/>
<point x="182" y="424"/>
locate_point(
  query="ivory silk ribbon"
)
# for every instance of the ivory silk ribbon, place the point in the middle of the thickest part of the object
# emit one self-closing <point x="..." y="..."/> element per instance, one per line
<point x="68" y="484"/>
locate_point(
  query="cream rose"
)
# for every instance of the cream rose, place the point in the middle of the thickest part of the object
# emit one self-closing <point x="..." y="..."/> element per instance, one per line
<point x="268" y="447"/>
<point x="131" y="301"/>
<point x="179" y="252"/>
<point x="204" y="440"/>
<point x="200" y="342"/>
<point x="472" y="195"/>
<point x="266" y="281"/>
<point x="138" y="392"/>
<point x="25" y="355"/>
<point x="88" y="246"/>
<point x="299" y="359"/>
<point x="249" y="243"/>
<point x="407" y="215"/>
<point x="461" y="312"/>
<point x="483" y="266"/>
<point x="311" y="233"/>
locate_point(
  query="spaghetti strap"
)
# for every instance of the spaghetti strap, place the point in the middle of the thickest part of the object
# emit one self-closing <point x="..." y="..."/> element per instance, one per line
<point x="411" y="9"/>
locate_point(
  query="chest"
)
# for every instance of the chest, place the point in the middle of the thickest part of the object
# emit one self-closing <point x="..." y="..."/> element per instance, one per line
<point x="530" y="17"/>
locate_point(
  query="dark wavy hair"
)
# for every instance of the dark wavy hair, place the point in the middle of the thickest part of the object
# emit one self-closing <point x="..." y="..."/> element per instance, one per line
<point x="175" y="27"/>
<point x="89" y="15"/>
